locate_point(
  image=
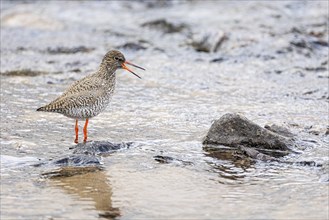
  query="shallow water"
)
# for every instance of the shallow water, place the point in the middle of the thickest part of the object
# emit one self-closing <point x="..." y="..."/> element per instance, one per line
<point x="166" y="113"/>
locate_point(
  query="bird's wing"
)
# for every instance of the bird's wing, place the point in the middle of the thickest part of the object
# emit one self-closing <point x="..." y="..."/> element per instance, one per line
<point x="83" y="99"/>
<point x="87" y="83"/>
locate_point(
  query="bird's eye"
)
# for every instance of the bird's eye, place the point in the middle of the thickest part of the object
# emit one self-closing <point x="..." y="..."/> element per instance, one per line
<point x="118" y="59"/>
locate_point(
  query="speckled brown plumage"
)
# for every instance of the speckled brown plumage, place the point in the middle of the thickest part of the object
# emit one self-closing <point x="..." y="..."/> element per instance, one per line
<point x="89" y="96"/>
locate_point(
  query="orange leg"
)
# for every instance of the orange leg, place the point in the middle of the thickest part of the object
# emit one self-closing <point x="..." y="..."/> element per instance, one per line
<point x="85" y="131"/>
<point x="76" y="132"/>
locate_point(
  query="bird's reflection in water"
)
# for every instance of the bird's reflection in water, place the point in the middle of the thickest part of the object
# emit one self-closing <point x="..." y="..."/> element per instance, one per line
<point x="91" y="186"/>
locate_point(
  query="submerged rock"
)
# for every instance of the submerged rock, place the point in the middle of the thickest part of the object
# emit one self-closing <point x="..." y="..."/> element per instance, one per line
<point x="69" y="171"/>
<point x="86" y="157"/>
<point x="168" y="159"/>
<point x="279" y="130"/>
<point x="238" y="158"/>
<point x="245" y="157"/>
<point x="78" y="160"/>
<point x="234" y="130"/>
<point x="255" y="154"/>
<point x="99" y="147"/>
<point x="72" y="161"/>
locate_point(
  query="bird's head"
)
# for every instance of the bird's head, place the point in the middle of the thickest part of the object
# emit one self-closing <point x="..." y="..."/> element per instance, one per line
<point x="114" y="59"/>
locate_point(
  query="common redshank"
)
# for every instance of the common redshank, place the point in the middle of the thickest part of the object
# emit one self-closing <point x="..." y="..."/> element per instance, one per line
<point x="90" y="95"/>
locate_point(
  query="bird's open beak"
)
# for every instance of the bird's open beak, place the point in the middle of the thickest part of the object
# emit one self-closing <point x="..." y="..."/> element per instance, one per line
<point x="126" y="68"/>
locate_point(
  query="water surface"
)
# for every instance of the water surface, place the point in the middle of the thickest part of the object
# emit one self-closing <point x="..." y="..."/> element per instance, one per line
<point x="263" y="75"/>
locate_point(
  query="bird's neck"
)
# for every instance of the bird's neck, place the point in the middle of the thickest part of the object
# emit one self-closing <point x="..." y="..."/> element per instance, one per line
<point x="107" y="72"/>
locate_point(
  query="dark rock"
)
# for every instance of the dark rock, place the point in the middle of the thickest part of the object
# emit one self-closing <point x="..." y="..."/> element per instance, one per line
<point x="279" y="130"/>
<point x="316" y="69"/>
<point x="131" y="46"/>
<point x="217" y="60"/>
<point x="167" y="159"/>
<point x="310" y="92"/>
<point x="157" y="4"/>
<point x="314" y="132"/>
<point x="85" y="155"/>
<point x="99" y="147"/>
<point x="77" y="160"/>
<point x="321" y="43"/>
<point x="255" y="154"/>
<point x="72" y="161"/>
<point x="66" y="50"/>
<point x="76" y="70"/>
<point x="165" y="26"/>
<point x="21" y="49"/>
<point x="163" y="159"/>
<point x="85" y="158"/>
<point x="209" y="41"/>
<point x="308" y="42"/>
<point x="23" y="72"/>
<point x="301" y="43"/>
<point x="307" y="163"/>
<point x="281" y="51"/>
<point x="315" y="94"/>
<point x="234" y="130"/>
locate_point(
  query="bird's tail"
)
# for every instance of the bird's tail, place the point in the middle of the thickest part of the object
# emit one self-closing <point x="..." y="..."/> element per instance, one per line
<point x="42" y="109"/>
<point x="47" y="108"/>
